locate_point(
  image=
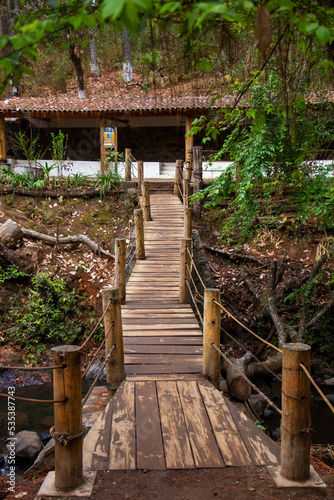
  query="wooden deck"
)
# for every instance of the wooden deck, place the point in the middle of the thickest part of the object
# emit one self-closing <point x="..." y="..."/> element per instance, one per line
<point x="160" y="335"/>
<point x="165" y="415"/>
<point x="174" y="424"/>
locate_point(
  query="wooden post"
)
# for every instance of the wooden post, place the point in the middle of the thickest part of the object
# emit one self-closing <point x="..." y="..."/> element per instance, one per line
<point x="139" y="227"/>
<point x="184" y="295"/>
<point x="140" y="165"/>
<point x="187" y="217"/>
<point x="127" y="175"/>
<point x="146" y="200"/>
<point x="186" y="192"/>
<point x="3" y="147"/>
<point x="189" y="144"/>
<point x="120" y="274"/>
<point x="178" y="178"/>
<point x="198" y="179"/>
<point x="211" y="335"/>
<point x="113" y="325"/>
<point x="116" y="150"/>
<point x="296" y="412"/>
<point x="103" y="152"/>
<point x="68" y="416"/>
<point x="189" y="165"/>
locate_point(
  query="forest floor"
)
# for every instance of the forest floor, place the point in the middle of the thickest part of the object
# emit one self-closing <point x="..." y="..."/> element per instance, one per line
<point x="237" y="483"/>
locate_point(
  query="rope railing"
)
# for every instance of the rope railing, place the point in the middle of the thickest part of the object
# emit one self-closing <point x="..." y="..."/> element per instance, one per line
<point x="309" y="376"/>
<point x="247" y="379"/>
<point x="196" y="270"/>
<point x="98" y="376"/>
<point x="129" y="250"/>
<point x="248" y="329"/>
<point x="94" y="329"/>
<point x="31" y="368"/>
<point x="33" y="400"/>
<point x="194" y="302"/>
<point x="98" y="350"/>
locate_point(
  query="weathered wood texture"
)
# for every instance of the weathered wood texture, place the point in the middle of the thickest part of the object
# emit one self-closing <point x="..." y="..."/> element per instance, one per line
<point x="174" y="424"/>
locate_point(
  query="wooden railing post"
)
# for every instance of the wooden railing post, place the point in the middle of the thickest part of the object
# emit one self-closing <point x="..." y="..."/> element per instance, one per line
<point x="139" y="228"/>
<point x="178" y="178"/>
<point x="120" y="271"/>
<point x="140" y="165"/>
<point x="114" y="336"/>
<point x="186" y="192"/>
<point x="68" y="416"/>
<point x="127" y="175"/>
<point x="184" y="295"/>
<point x="211" y="335"/>
<point x="146" y="201"/>
<point x="187" y="216"/>
<point x="296" y="412"/>
<point x="189" y="165"/>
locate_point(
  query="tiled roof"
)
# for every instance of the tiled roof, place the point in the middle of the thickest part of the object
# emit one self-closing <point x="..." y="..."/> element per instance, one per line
<point x="96" y="104"/>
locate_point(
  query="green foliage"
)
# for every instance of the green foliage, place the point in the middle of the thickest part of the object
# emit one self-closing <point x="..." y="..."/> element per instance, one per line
<point x="272" y="154"/>
<point x="10" y="273"/>
<point x="58" y="148"/>
<point x="47" y="314"/>
<point x="28" y="145"/>
<point x="109" y="180"/>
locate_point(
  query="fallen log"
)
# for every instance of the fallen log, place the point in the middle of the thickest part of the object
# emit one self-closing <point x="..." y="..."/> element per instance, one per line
<point x="238" y="387"/>
<point x="65" y="193"/>
<point x="51" y="240"/>
<point x="10" y="233"/>
<point x="234" y="255"/>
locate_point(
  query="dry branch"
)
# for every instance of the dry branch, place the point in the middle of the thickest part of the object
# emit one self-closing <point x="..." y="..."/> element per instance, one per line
<point x="234" y="255"/>
<point x="78" y="238"/>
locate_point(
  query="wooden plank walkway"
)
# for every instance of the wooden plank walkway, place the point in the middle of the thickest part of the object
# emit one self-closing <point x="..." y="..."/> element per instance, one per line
<point x="160" y="335"/>
<point x="165" y="415"/>
<point x="174" y="424"/>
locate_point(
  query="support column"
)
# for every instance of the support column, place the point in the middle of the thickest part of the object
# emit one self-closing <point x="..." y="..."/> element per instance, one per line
<point x="127" y="175"/>
<point x="140" y="165"/>
<point x="68" y="416"/>
<point x="189" y="144"/>
<point x="139" y="227"/>
<point x="185" y="262"/>
<point x="3" y="147"/>
<point x="211" y="335"/>
<point x="296" y="412"/>
<point x="114" y="336"/>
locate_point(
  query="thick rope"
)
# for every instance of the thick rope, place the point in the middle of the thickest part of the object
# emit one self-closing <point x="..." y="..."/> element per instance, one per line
<point x="34" y="400"/>
<point x="95" y="327"/>
<point x="97" y="376"/>
<point x="98" y="350"/>
<point x="130" y="249"/>
<point x="247" y="379"/>
<point x="193" y="299"/>
<point x="28" y="368"/>
<point x="192" y="260"/>
<point x="253" y="355"/>
<point x="64" y="437"/>
<point x="246" y="328"/>
<point x="309" y="376"/>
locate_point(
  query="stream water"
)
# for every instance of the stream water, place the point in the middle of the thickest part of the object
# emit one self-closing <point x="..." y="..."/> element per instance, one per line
<point x="31" y="416"/>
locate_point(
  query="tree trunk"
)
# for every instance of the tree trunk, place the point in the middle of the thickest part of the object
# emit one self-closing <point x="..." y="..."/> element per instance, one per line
<point x="126" y="57"/>
<point x="74" y="50"/>
<point x="6" y="26"/>
<point x="94" y="63"/>
<point x="10" y="233"/>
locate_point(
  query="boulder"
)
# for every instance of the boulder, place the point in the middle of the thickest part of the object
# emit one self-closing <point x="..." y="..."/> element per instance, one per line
<point x="27" y="446"/>
<point x="258" y="403"/>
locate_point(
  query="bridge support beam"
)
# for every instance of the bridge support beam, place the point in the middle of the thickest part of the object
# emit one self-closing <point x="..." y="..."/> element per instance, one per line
<point x="120" y="270"/>
<point x="185" y="262"/>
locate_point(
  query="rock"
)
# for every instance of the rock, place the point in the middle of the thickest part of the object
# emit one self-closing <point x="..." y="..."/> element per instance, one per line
<point x="27" y="446"/>
<point x="268" y="414"/>
<point x="21" y="420"/>
<point x="320" y="400"/>
<point x="2" y="461"/>
<point x="329" y="381"/>
<point x="258" y="403"/>
<point x="45" y="460"/>
<point x="44" y="437"/>
<point x="276" y="434"/>
<point x="319" y="365"/>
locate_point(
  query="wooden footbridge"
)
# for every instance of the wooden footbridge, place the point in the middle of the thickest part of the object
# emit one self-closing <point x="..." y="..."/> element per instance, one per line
<point x="165" y="415"/>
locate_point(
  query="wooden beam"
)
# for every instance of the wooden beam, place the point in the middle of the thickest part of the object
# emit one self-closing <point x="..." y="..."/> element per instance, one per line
<point x="189" y="144"/>
<point x="103" y="152"/>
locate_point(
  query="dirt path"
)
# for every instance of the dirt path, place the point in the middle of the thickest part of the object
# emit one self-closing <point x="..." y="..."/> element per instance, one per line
<point x="206" y="484"/>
